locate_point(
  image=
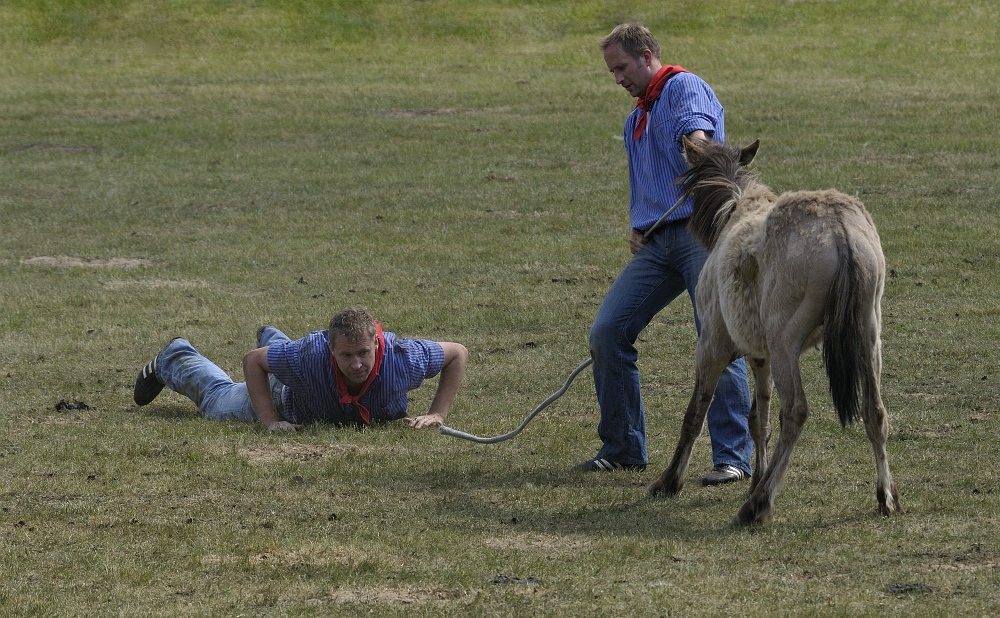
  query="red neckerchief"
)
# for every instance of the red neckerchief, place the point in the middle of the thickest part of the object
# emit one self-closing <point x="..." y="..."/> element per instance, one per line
<point x="653" y="91"/>
<point x="346" y="397"/>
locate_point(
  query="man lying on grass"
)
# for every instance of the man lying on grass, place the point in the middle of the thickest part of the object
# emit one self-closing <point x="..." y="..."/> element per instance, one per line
<point x="352" y="373"/>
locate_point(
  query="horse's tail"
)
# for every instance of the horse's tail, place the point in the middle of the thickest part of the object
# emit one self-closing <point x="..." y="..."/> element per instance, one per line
<point x="845" y="340"/>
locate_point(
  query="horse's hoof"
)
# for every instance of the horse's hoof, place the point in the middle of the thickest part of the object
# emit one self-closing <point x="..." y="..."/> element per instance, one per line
<point x="886" y="510"/>
<point x="659" y="488"/>
<point x="888" y="503"/>
<point x="741" y="520"/>
<point x="749" y="516"/>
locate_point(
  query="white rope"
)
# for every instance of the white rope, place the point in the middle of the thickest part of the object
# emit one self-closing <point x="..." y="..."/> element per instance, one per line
<point x="448" y="431"/>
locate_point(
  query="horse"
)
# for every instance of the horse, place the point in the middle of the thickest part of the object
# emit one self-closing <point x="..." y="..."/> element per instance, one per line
<point x="783" y="274"/>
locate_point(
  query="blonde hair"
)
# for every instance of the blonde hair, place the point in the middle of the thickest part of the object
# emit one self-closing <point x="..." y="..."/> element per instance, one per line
<point x="634" y="39"/>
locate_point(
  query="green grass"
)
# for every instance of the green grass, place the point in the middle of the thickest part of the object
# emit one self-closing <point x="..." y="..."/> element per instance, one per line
<point x="457" y="167"/>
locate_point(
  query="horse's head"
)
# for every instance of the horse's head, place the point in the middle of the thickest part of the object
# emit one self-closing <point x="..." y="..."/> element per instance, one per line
<point x="715" y="181"/>
<point x="696" y="151"/>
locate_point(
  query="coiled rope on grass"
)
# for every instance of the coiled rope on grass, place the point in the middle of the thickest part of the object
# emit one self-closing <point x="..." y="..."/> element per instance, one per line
<point x="448" y="431"/>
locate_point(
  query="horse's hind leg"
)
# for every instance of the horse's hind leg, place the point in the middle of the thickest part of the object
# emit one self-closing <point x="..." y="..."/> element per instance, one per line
<point x="877" y="427"/>
<point x="793" y="414"/>
<point x="760" y="417"/>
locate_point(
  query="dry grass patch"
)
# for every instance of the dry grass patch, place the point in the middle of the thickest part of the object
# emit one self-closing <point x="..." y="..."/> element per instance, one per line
<point x="285" y="451"/>
<point x="77" y="262"/>
<point x="153" y="284"/>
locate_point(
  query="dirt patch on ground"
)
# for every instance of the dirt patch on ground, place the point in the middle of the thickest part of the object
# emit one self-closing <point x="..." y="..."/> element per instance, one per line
<point x="66" y="260"/>
<point x="120" y="284"/>
<point x="46" y="147"/>
<point x="297" y="452"/>
<point x="964" y="566"/>
<point x="979" y="557"/>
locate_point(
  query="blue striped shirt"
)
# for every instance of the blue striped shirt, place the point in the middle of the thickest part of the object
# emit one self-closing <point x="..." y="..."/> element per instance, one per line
<point x="657" y="159"/>
<point x="310" y="395"/>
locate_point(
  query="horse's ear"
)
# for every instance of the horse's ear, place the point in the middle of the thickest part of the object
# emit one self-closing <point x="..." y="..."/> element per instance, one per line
<point x="692" y="151"/>
<point x="747" y="154"/>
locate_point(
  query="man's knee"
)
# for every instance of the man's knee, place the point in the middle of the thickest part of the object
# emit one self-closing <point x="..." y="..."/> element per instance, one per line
<point x="602" y="336"/>
<point x="176" y="348"/>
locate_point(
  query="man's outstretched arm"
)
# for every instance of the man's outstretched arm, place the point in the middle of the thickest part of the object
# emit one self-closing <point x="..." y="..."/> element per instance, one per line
<point x="456" y="357"/>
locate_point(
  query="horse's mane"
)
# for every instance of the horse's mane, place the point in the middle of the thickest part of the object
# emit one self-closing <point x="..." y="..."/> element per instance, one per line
<point x="716" y="181"/>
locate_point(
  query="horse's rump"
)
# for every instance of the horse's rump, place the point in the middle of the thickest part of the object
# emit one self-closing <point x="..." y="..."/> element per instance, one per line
<point x="827" y="239"/>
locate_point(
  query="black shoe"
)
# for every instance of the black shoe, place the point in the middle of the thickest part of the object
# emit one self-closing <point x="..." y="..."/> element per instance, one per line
<point x="722" y="474"/>
<point x="606" y="465"/>
<point x="147" y="385"/>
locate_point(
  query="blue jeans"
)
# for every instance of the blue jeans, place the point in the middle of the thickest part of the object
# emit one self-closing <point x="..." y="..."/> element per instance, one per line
<point x="184" y="370"/>
<point x="657" y="274"/>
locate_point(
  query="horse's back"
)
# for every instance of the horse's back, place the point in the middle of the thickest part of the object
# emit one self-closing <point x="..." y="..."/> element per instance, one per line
<point x="816" y="226"/>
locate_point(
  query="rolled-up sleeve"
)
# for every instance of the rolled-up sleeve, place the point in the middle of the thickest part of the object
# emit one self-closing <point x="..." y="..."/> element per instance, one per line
<point x="694" y="107"/>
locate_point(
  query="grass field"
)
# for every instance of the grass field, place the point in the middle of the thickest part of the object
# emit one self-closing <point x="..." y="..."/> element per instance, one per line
<point x="200" y="168"/>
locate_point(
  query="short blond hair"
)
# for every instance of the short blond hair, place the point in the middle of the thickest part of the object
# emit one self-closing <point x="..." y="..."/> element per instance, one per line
<point x="634" y="39"/>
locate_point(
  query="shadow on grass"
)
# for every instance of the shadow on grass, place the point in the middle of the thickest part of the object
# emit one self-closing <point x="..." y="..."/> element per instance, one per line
<point x="575" y="503"/>
<point x="492" y="493"/>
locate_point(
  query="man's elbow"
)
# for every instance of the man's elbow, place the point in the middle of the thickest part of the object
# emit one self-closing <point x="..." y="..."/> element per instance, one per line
<point x="461" y="354"/>
<point x="255" y="361"/>
<point x="457" y="356"/>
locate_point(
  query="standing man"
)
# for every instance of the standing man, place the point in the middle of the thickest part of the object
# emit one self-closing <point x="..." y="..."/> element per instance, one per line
<point x="352" y="373"/>
<point x="672" y="103"/>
